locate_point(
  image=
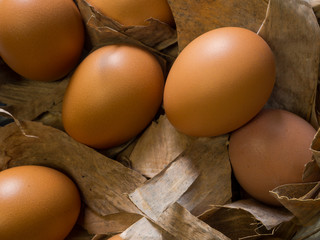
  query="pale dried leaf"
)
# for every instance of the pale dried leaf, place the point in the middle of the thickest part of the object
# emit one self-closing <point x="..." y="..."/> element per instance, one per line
<point x="184" y="226"/>
<point x="159" y="145"/>
<point x="103" y="182"/>
<point x="213" y="186"/>
<point x="109" y="224"/>
<point x="165" y="188"/>
<point x="194" y="18"/>
<point x="145" y="230"/>
<point x="292" y="31"/>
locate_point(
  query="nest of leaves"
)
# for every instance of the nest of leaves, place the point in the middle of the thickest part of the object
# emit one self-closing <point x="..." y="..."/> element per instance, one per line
<point x="163" y="184"/>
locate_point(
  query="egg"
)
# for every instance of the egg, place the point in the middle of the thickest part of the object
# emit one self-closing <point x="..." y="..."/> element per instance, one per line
<point x="37" y="203"/>
<point x="112" y="96"/>
<point x="129" y="12"/>
<point x="116" y="237"/>
<point x="41" y="39"/>
<point x="269" y="151"/>
<point x="219" y="81"/>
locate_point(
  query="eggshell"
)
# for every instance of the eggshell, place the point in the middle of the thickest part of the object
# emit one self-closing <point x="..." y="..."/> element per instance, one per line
<point x="37" y="203"/>
<point x="128" y="12"/>
<point x="112" y="96"/>
<point x="116" y="237"/>
<point x="269" y="151"/>
<point x="220" y="81"/>
<point x="41" y="39"/>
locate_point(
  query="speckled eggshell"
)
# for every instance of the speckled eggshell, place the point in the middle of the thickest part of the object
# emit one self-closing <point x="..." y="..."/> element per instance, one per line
<point x="37" y="203"/>
<point x="220" y="81"/>
<point x="41" y="39"/>
<point x="112" y="96"/>
<point x="269" y="151"/>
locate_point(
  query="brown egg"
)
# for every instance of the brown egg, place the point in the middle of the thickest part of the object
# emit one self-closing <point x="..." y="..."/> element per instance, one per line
<point x="41" y="39"/>
<point x="219" y="82"/>
<point x="116" y="237"/>
<point x="269" y="151"/>
<point x="37" y="203"/>
<point x="112" y="96"/>
<point x="129" y="12"/>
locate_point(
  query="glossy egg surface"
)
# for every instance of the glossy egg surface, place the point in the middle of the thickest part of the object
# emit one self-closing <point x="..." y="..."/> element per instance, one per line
<point x="112" y="96"/>
<point x="41" y="39"/>
<point x="37" y="203"/>
<point x="219" y="82"/>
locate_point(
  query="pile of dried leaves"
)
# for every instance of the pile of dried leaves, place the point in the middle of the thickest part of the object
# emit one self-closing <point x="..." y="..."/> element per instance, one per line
<point x="163" y="184"/>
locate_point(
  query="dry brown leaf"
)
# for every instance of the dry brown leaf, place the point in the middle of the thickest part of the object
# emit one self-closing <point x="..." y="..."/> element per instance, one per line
<point x="292" y="31"/>
<point x="78" y="233"/>
<point x="145" y="230"/>
<point x="315" y="4"/>
<point x="159" y="145"/>
<point x="194" y="18"/>
<point x="103" y="182"/>
<point x="298" y="198"/>
<point x="102" y="30"/>
<point x="234" y="223"/>
<point x="109" y="224"/>
<point x="246" y="218"/>
<point x="311" y="232"/>
<point x="315" y="147"/>
<point x="27" y="99"/>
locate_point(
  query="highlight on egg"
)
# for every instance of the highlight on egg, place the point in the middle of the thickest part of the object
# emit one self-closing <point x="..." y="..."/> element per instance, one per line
<point x="269" y="151"/>
<point x="41" y="39"/>
<point x="37" y="203"/>
<point x="112" y="96"/>
<point x="129" y="13"/>
<point x="219" y="81"/>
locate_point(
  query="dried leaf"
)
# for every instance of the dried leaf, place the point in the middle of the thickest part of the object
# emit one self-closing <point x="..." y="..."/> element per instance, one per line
<point x="269" y="216"/>
<point x="206" y="158"/>
<point x="245" y="218"/>
<point x="145" y="230"/>
<point x="295" y="41"/>
<point x="78" y="233"/>
<point x="102" y="181"/>
<point x="102" y="30"/>
<point x="315" y="4"/>
<point x="109" y="224"/>
<point x="194" y="18"/>
<point x="315" y="147"/>
<point x="27" y="99"/>
<point x="166" y="188"/>
<point x="213" y="186"/>
<point x="311" y="232"/>
<point x="159" y="145"/>
<point x="184" y="226"/>
<point x="234" y="223"/>
<point x="298" y="199"/>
